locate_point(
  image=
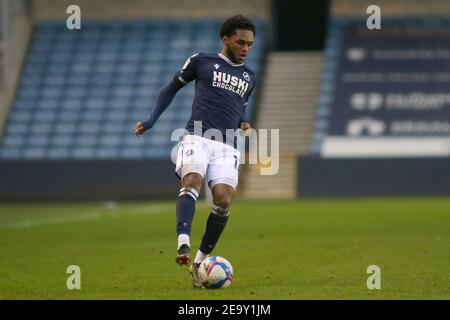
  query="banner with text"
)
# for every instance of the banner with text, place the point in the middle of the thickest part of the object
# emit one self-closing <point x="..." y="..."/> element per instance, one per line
<point x="391" y="91"/>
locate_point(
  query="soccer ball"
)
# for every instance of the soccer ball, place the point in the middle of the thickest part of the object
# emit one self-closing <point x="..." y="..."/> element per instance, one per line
<point x="215" y="272"/>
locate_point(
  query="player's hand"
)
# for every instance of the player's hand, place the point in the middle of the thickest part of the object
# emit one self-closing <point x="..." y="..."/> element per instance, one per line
<point x="139" y="129"/>
<point x="246" y="128"/>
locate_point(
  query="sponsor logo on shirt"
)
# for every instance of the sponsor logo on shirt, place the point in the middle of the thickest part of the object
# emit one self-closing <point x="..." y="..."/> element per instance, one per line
<point x="226" y="81"/>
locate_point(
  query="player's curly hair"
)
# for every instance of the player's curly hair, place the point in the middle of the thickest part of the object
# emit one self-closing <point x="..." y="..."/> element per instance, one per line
<point x="230" y="25"/>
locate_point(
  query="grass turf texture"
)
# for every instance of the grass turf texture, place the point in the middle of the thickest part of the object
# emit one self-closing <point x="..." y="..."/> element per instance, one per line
<point x="307" y="249"/>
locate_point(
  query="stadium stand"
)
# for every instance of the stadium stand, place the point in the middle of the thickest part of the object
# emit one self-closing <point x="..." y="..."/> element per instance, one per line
<point x="343" y="104"/>
<point x="361" y="146"/>
<point x="288" y="102"/>
<point x="81" y="92"/>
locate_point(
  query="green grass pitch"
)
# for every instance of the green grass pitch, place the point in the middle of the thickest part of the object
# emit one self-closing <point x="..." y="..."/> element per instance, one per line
<point x="305" y="249"/>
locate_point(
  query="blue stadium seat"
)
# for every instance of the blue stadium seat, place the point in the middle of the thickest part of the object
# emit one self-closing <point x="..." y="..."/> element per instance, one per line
<point x="7" y="152"/>
<point x="58" y="153"/>
<point x="131" y="153"/>
<point x="38" y="140"/>
<point x="91" y="127"/>
<point x="34" y="153"/>
<point x="106" y="153"/>
<point x="14" y="141"/>
<point x="83" y="153"/>
<point x="86" y="140"/>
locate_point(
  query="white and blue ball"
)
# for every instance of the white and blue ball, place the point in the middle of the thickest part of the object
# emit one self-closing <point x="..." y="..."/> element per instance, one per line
<point x="215" y="272"/>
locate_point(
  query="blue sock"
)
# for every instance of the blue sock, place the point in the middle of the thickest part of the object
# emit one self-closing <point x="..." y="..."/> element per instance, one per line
<point x="186" y="209"/>
<point x="215" y="225"/>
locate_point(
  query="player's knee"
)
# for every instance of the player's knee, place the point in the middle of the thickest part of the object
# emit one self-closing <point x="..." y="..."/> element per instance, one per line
<point x="192" y="180"/>
<point x="223" y="202"/>
<point x="221" y="208"/>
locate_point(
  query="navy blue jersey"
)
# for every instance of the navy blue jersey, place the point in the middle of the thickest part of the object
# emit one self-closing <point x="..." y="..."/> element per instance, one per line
<point x="222" y="90"/>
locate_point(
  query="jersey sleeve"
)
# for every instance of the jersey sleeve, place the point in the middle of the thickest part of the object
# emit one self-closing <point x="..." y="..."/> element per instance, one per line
<point x="249" y="94"/>
<point x="189" y="70"/>
<point x="244" y="116"/>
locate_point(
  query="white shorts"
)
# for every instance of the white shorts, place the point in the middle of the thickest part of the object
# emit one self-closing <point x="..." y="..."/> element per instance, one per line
<point x="216" y="161"/>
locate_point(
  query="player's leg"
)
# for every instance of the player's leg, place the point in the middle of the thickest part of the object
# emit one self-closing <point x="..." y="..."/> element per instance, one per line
<point x="190" y="189"/>
<point x="217" y="220"/>
<point x="222" y="175"/>
<point x="191" y="168"/>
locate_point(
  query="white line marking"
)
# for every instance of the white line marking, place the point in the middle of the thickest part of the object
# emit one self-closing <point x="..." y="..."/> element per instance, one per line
<point x="114" y="213"/>
<point x="51" y="221"/>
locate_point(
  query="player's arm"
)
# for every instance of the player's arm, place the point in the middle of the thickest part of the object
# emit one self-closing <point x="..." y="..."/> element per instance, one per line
<point x="167" y="93"/>
<point x="244" y="123"/>
<point x="163" y="100"/>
